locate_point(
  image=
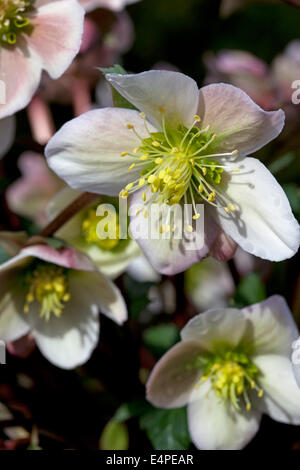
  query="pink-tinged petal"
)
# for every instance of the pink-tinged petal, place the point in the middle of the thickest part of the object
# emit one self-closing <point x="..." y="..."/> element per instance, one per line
<point x="115" y="5"/>
<point x="157" y="90"/>
<point x="239" y="123"/>
<point x="170" y="252"/>
<point x="69" y="341"/>
<point x="273" y="328"/>
<point x="172" y="380"/>
<point x="7" y="134"/>
<point x="56" y="35"/>
<point x="19" y="87"/>
<point x="86" y="152"/>
<point x="30" y="194"/>
<point x="223" y="248"/>
<point x="281" y="399"/>
<point x="13" y="242"/>
<point x="263" y="223"/>
<point x="66" y="256"/>
<point x="215" y="326"/>
<point x="22" y="347"/>
<point x="213" y="425"/>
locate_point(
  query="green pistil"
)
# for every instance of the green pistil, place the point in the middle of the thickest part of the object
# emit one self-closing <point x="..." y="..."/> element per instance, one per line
<point x="14" y="19"/>
<point x="176" y="163"/>
<point x="231" y="373"/>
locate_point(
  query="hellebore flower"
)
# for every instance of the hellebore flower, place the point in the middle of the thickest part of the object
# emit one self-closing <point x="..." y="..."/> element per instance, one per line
<point x="111" y="255"/>
<point x="115" y="5"/>
<point x="35" y="35"/>
<point x="186" y="145"/>
<point x="231" y="367"/>
<point x="56" y="294"/>
<point x="29" y="195"/>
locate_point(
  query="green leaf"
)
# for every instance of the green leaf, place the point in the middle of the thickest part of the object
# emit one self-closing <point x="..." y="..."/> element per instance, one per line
<point x="119" y="101"/>
<point x="137" y="294"/>
<point x="114" y="436"/>
<point x="292" y="192"/>
<point x="130" y="410"/>
<point x="250" y="290"/>
<point x="160" y="338"/>
<point x="167" y="429"/>
<point x="281" y="163"/>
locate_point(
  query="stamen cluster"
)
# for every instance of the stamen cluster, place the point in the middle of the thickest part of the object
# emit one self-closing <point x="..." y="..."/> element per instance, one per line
<point x="48" y="285"/>
<point x="13" y="19"/>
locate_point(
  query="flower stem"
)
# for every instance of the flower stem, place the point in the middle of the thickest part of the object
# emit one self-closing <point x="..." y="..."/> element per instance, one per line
<point x="80" y="202"/>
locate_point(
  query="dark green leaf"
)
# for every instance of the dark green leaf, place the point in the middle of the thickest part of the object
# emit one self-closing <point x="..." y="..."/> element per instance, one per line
<point x="119" y="101"/>
<point x="160" y="338"/>
<point x="167" y="429"/>
<point x="114" y="436"/>
<point x="250" y="290"/>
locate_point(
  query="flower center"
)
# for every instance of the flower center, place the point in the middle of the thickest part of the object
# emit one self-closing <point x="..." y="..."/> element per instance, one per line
<point x="179" y="163"/>
<point x="13" y="19"/>
<point x="48" y="285"/>
<point x="89" y="230"/>
<point x="232" y="375"/>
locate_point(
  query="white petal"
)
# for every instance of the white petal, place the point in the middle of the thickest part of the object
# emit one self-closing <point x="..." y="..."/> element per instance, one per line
<point x="214" y="426"/>
<point x="263" y="223"/>
<point x="13" y="321"/>
<point x="56" y="35"/>
<point x="281" y="399"/>
<point x="215" y="326"/>
<point x="150" y="91"/>
<point x="141" y="270"/>
<point x="238" y="122"/>
<point x="103" y="292"/>
<point x="170" y="252"/>
<point x="171" y="383"/>
<point x="7" y="134"/>
<point x="272" y="329"/>
<point x="86" y="152"/>
<point x="19" y="87"/>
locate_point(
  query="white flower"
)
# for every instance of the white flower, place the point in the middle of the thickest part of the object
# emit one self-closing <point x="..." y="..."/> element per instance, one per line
<point x="35" y="35"/>
<point x="115" y="5"/>
<point x="56" y="294"/>
<point x="231" y="367"/>
<point x="186" y="145"/>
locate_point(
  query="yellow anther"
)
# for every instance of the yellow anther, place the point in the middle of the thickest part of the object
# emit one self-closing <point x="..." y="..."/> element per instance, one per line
<point x="196" y="216"/>
<point x="143" y="157"/>
<point x="131" y="167"/>
<point x="189" y="228"/>
<point x="162" y="174"/>
<point x="151" y="179"/>
<point x="158" y="160"/>
<point x="175" y="149"/>
<point x="154" y="188"/>
<point x="204" y="170"/>
<point x="144" y="196"/>
<point x="227" y="210"/>
<point x="248" y="406"/>
<point x="136" y="150"/>
<point x="123" y="154"/>
<point x="129" y="186"/>
<point x="260" y="393"/>
<point x="155" y="143"/>
<point x="231" y="207"/>
<point x="130" y="126"/>
<point x="123" y="194"/>
<point x="145" y="213"/>
<point x="235" y="152"/>
<point x="167" y="178"/>
<point x="142" y="181"/>
<point x="212" y="196"/>
<point x="197" y="118"/>
<point x="137" y="212"/>
<point x="143" y="115"/>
